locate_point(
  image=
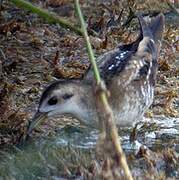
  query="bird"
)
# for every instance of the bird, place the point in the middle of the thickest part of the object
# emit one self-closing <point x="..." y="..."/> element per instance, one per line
<point x="129" y="72"/>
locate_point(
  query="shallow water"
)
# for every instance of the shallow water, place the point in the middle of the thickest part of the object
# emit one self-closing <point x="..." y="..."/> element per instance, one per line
<point x="46" y="157"/>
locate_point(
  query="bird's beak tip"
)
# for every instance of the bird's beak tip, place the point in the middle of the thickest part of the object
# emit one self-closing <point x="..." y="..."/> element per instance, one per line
<point x="38" y="117"/>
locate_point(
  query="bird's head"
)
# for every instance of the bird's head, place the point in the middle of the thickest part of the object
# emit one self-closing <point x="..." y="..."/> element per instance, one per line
<point x="66" y="97"/>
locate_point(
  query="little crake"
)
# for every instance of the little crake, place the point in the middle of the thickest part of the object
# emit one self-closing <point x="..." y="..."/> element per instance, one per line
<point x="129" y="72"/>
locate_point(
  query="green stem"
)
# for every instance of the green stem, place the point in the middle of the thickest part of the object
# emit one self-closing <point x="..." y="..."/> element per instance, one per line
<point x="50" y="17"/>
<point x="108" y="118"/>
<point x="88" y="44"/>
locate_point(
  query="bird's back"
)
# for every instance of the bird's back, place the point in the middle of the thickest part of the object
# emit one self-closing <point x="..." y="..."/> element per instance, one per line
<point x="130" y="72"/>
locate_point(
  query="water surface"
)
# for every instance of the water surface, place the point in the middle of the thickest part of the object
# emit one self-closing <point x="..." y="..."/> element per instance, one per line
<point x="47" y="156"/>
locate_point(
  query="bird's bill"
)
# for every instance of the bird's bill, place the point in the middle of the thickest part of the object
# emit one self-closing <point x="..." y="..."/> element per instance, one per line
<point x="38" y="117"/>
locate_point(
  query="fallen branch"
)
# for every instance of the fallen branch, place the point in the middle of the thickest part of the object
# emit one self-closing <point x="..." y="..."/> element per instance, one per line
<point x="50" y="17"/>
<point x="107" y="118"/>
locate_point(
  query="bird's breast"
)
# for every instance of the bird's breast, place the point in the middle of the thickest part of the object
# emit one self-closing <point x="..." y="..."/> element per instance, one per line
<point x="132" y="102"/>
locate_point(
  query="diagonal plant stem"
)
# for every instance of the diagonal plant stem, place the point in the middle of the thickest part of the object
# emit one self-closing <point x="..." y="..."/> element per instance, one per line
<point x="88" y="44"/>
<point x="50" y="17"/>
<point x="110" y="127"/>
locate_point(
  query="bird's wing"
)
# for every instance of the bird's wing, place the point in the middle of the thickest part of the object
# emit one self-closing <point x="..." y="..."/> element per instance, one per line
<point x="116" y="63"/>
<point x="124" y="66"/>
<point x="133" y="61"/>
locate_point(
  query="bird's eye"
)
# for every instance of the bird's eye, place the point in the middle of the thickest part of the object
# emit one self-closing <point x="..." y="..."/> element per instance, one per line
<point x="52" y="101"/>
<point x="67" y="96"/>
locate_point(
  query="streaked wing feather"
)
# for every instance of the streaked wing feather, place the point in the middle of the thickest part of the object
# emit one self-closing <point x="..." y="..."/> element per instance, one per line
<point x="115" y="64"/>
<point x="123" y="65"/>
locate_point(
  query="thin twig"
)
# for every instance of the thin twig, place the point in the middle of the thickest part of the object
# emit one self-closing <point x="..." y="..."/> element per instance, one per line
<point x="50" y="17"/>
<point x="108" y="118"/>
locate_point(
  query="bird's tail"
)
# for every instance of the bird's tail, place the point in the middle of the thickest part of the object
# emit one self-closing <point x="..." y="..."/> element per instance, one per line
<point x="153" y="28"/>
<point x="152" y="33"/>
<point x="149" y="47"/>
